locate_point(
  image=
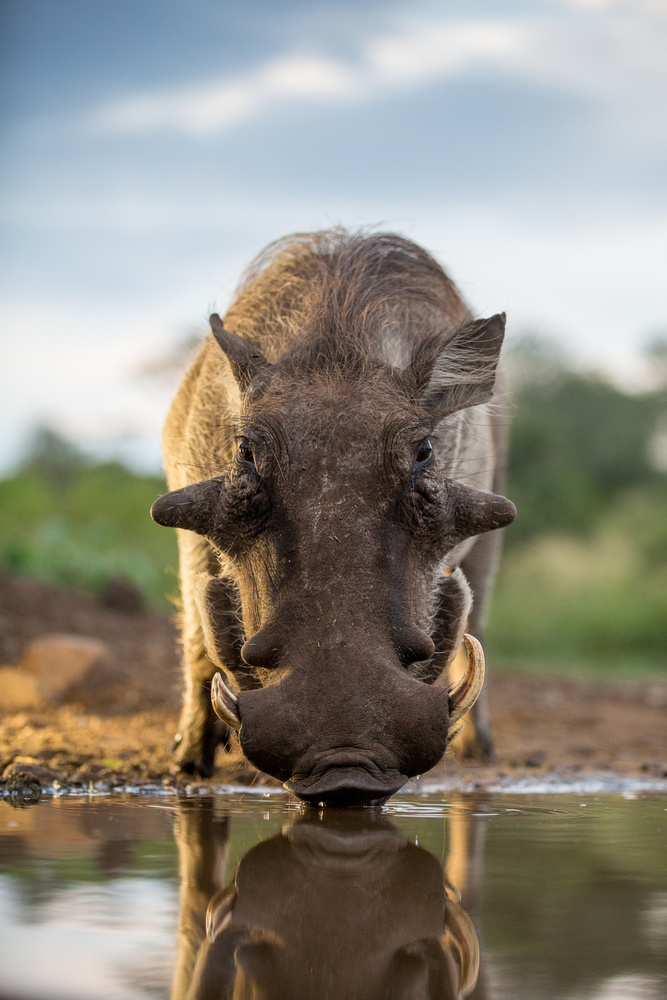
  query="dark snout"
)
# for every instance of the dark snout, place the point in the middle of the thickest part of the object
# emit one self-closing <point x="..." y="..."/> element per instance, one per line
<point x="346" y="787"/>
<point x="345" y="739"/>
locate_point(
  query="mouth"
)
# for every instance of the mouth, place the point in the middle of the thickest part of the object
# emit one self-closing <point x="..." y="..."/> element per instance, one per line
<point x="346" y="787"/>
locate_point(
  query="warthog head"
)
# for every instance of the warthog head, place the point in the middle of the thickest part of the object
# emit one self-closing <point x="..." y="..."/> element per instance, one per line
<point x="333" y="518"/>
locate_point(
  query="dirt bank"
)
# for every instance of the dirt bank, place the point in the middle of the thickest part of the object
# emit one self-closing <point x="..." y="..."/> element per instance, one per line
<point x="117" y="728"/>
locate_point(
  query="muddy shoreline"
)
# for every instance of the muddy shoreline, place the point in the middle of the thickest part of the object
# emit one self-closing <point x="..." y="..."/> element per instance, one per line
<point x="115" y="730"/>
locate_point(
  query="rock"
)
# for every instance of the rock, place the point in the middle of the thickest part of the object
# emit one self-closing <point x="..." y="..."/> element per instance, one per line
<point x="29" y="769"/>
<point x="18" y="690"/>
<point x="655" y="696"/>
<point x="22" y="788"/>
<point x="59" y="662"/>
<point x="24" y="779"/>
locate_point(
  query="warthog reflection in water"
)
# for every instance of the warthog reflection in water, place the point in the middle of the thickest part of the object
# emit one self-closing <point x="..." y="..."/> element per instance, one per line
<point x="338" y="905"/>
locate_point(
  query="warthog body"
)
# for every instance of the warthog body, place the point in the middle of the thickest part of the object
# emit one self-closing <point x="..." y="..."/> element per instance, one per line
<point x="333" y="452"/>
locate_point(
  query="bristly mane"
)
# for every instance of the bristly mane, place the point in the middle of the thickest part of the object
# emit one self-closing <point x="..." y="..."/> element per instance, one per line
<point x="330" y="300"/>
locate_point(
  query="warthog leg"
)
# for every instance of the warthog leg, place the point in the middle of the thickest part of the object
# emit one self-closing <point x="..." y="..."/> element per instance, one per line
<point x="479" y="566"/>
<point x="212" y="638"/>
<point x="452" y="603"/>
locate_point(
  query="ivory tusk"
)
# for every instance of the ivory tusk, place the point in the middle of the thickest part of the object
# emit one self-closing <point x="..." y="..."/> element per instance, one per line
<point x="453" y="732"/>
<point x="225" y="703"/>
<point x="465" y="693"/>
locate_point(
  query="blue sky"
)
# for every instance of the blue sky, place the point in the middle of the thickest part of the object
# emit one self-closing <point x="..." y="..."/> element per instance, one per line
<point x="152" y="147"/>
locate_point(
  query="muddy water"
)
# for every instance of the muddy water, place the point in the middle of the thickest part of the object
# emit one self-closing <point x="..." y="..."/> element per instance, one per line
<point x="248" y="896"/>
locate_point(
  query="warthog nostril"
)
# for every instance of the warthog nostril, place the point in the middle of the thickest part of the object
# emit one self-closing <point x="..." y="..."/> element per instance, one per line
<point x="261" y="650"/>
<point x="414" y="645"/>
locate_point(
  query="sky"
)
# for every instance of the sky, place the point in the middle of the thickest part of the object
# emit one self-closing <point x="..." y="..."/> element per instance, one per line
<point x="150" y="148"/>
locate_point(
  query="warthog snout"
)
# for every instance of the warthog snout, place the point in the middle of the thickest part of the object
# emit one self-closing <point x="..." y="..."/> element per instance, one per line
<point x="329" y="749"/>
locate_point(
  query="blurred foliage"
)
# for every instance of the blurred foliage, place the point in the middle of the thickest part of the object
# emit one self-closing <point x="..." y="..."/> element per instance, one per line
<point x="584" y="576"/>
<point x="81" y="524"/>
<point x="578" y="443"/>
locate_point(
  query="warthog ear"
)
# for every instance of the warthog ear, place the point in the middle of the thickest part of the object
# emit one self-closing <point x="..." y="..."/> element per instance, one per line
<point x="245" y="359"/>
<point x="461" y="372"/>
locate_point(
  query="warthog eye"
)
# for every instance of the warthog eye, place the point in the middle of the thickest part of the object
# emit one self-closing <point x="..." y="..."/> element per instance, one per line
<point x="245" y="452"/>
<point x="424" y="453"/>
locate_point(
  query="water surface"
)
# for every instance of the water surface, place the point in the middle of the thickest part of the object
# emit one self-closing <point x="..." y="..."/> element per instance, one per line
<point x="251" y="896"/>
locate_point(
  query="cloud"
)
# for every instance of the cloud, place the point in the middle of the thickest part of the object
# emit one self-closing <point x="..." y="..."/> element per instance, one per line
<point x="610" y="54"/>
<point x="406" y="59"/>
<point x="437" y="51"/>
<point x="653" y="6"/>
<point x="220" y="104"/>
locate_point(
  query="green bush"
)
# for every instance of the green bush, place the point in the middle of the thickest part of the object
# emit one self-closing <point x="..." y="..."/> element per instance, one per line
<point x="589" y="602"/>
<point x="87" y="527"/>
<point x="583" y="581"/>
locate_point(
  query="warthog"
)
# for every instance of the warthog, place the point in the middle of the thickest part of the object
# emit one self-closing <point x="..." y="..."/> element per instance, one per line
<point x="332" y="453"/>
